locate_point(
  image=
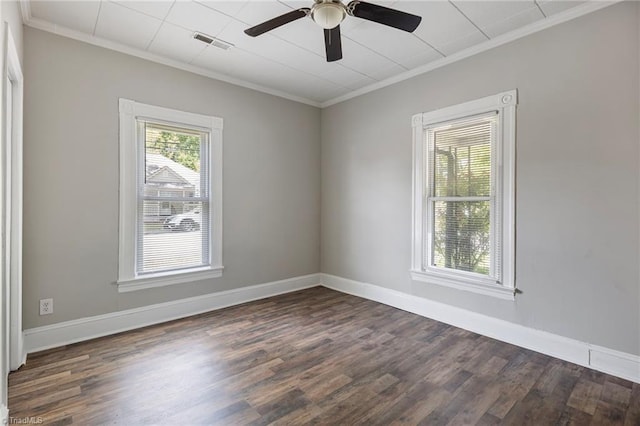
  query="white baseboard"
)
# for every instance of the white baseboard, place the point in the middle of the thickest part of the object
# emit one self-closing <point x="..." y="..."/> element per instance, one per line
<point x="21" y="357"/>
<point x="64" y="333"/>
<point x="606" y="360"/>
<point x="614" y="362"/>
<point x="4" y="415"/>
<point x="609" y="361"/>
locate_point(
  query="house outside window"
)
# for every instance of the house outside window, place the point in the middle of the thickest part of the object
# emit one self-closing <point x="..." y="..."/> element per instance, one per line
<point x="170" y="196"/>
<point x="463" y="196"/>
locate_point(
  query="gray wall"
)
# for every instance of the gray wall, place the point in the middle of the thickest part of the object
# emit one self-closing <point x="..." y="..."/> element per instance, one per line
<point x="577" y="178"/>
<point x="271" y="177"/>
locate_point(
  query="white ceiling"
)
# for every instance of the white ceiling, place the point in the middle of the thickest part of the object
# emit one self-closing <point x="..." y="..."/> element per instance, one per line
<point x="290" y="60"/>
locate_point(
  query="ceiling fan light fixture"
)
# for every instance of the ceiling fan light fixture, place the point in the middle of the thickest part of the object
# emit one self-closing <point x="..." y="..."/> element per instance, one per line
<point x="328" y="14"/>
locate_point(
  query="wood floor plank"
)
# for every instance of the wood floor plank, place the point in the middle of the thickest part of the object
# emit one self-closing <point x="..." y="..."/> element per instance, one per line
<point x="573" y="417"/>
<point x="516" y="382"/>
<point x="585" y="396"/>
<point x="326" y="384"/>
<point x="411" y="411"/>
<point x="633" y="412"/>
<point x="312" y="357"/>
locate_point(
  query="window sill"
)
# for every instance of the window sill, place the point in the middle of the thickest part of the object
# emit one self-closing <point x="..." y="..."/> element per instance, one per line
<point x="168" y="278"/>
<point x="460" y="283"/>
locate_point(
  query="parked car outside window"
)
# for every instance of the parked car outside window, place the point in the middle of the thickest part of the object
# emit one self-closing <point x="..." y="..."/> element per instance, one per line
<point x="185" y="222"/>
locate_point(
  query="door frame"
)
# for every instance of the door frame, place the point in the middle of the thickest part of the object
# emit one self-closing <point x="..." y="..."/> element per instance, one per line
<point x="13" y="81"/>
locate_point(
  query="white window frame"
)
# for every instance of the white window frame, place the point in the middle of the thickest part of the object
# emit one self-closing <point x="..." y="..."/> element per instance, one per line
<point x="503" y="207"/>
<point x="130" y="111"/>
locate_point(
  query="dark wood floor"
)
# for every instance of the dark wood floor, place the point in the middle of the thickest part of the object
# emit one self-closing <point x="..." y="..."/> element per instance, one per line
<point x="315" y="356"/>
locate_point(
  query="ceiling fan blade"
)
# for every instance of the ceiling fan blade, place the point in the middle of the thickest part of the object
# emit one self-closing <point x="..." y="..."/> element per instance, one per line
<point x="277" y="22"/>
<point x="333" y="44"/>
<point x="383" y="15"/>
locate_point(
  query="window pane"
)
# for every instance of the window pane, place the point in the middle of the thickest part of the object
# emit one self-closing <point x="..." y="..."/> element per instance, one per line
<point x="461" y="236"/>
<point x="176" y="241"/>
<point x="172" y="162"/>
<point x="172" y="232"/>
<point x="462" y="160"/>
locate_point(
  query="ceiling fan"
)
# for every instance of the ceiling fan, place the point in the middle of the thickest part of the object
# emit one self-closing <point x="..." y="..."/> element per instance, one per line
<point x="330" y="13"/>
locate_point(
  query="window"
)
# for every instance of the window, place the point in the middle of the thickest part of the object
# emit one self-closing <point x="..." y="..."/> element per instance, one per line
<point x="170" y="196"/>
<point x="463" y="198"/>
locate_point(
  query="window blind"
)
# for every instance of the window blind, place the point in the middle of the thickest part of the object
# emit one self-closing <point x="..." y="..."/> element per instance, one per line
<point x="173" y="198"/>
<point x="460" y="194"/>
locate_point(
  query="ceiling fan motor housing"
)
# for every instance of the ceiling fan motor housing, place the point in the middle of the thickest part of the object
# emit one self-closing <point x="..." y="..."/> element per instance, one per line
<point x="328" y="13"/>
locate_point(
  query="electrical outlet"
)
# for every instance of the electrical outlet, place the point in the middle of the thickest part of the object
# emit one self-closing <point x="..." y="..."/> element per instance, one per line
<point x="46" y="306"/>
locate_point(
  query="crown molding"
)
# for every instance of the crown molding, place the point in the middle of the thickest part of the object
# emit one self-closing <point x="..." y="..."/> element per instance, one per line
<point x="132" y="51"/>
<point x="543" y="24"/>
<point x="559" y="18"/>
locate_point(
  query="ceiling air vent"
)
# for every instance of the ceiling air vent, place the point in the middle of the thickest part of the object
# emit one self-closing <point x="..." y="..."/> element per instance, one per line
<point x="220" y="44"/>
